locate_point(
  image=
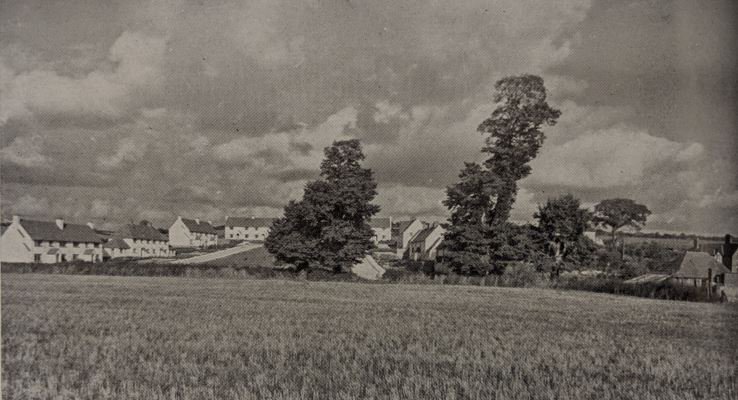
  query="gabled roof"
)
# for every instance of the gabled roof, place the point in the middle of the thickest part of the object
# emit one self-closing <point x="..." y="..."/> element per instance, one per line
<point x="49" y="231"/>
<point x="116" y="243"/>
<point x="381" y="223"/>
<point x="249" y="222"/>
<point x="695" y="265"/>
<point x="422" y="235"/>
<point x="201" y="227"/>
<point x="401" y="226"/>
<point x="137" y="231"/>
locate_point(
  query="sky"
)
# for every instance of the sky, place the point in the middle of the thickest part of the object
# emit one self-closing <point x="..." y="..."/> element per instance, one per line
<point x="118" y="111"/>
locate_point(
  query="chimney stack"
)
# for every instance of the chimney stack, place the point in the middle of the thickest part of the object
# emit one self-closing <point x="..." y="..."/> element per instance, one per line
<point x="197" y="221"/>
<point x="60" y="223"/>
<point x="16" y="219"/>
<point x="91" y="225"/>
<point x="728" y="239"/>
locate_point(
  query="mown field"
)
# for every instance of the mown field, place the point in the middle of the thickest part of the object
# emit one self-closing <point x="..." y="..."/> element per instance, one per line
<point x="97" y="337"/>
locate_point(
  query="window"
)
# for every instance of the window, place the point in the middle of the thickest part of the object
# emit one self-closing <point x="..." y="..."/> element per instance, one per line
<point x="74" y="256"/>
<point x="63" y="257"/>
<point x="37" y="243"/>
<point x="37" y="258"/>
<point x="96" y="245"/>
<point x="76" y="244"/>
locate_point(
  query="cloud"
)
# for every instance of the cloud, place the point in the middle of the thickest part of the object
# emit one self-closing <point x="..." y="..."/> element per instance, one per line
<point x="25" y="152"/>
<point x="617" y="156"/>
<point x="134" y="63"/>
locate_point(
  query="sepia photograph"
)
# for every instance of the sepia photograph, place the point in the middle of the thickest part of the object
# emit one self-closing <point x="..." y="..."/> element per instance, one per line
<point x="369" y="199"/>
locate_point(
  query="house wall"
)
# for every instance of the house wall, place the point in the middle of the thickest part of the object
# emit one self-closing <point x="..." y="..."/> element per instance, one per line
<point x="423" y="250"/>
<point x="404" y="238"/>
<point x="147" y="248"/>
<point x="16" y="245"/>
<point x="382" y="234"/>
<point x="243" y="233"/>
<point x="179" y="234"/>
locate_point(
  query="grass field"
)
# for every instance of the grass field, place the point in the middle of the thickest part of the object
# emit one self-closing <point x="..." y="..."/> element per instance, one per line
<point x="98" y="337"/>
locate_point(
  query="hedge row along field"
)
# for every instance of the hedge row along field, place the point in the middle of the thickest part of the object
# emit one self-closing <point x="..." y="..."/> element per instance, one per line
<point x="96" y="337"/>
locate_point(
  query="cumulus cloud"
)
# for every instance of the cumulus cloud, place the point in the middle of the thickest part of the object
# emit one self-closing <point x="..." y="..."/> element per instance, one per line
<point x="614" y="157"/>
<point x="135" y="61"/>
<point x="25" y="152"/>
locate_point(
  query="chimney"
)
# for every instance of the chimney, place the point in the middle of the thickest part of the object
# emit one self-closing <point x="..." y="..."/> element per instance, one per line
<point x="16" y="219"/>
<point x="728" y="239"/>
<point x="697" y="246"/>
<point x="197" y="221"/>
<point x="60" y="223"/>
<point x="91" y="225"/>
<point x="210" y="222"/>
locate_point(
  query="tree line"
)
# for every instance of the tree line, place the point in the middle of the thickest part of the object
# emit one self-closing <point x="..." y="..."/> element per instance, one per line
<point x="328" y="228"/>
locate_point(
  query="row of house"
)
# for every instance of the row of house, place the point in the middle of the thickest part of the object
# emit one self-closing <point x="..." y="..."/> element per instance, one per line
<point x="25" y="240"/>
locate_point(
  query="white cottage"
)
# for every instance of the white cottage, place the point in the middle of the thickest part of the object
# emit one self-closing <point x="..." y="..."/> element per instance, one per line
<point x="424" y="245"/>
<point x="186" y="232"/>
<point x="402" y="232"/>
<point x="29" y="241"/>
<point x="382" y="228"/>
<point x="247" y="228"/>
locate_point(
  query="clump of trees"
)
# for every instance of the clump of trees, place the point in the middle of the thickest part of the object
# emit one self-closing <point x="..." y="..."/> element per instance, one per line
<point x="328" y="228"/>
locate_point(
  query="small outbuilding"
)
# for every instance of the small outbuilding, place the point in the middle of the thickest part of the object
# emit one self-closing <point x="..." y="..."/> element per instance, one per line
<point x="698" y="268"/>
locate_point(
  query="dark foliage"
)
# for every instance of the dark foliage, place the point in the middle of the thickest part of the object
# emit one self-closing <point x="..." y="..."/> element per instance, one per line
<point x="328" y="228"/>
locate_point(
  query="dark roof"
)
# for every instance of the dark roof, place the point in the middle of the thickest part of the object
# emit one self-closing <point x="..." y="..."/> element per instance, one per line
<point x="137" y="231"/>
<point x="382" y="223"/>
<point x="422" y="235"/>
<point x="695" y="265"/>
<point x="46" y="230"/>
<point x="202" y="227"/>
<point x="249" y="222"/>
<point x="401" y="226"/>
<point x="116" y="243"/>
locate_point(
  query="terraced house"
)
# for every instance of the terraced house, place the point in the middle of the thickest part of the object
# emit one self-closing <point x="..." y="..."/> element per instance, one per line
<point x="49" y="242"/>
<point x="186" y="232"/>
<point x="247" y="228"/>
<point x="140" y="241"/>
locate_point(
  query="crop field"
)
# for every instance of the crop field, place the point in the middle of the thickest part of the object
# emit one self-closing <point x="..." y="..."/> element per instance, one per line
<point x="97" y="337"/>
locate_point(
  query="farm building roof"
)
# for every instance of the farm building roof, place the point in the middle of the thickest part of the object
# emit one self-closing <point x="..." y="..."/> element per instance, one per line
<point x="382" y="223"/>
<point x="199" y="226"/>
<point x="50" y="231"/>
<point x="695" y="265"/>
<point x="249" y="222"/>
<point x="145" y="232"/>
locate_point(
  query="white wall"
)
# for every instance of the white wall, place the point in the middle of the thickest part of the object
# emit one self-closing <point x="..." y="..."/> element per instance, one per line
<point x="179" y="235"/>
<point x="16" y="245"/>
<point x="243" y="233"/>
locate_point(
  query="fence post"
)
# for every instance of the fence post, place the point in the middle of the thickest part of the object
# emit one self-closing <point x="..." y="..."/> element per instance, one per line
<point x="709" y="284"/>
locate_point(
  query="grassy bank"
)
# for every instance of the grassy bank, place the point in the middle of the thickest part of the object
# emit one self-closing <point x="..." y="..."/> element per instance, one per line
<point x="154" y="338"/>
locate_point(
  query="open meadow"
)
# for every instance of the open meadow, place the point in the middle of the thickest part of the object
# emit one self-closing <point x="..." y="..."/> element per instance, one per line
<point x="96" y="337"/>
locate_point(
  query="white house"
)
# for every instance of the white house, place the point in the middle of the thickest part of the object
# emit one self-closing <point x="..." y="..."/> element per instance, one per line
<point x="424" y="245"/>
<point x="382" y="228"/>
<point x="186" y="232"/>
<point x="247" y="228"/>
<point x="138" y="241"/>
<point x="402" y="232"/>
<point x="48" y="242"/>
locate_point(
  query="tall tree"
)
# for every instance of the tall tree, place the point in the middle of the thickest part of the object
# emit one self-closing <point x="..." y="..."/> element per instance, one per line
<point x="480" y="202"/>
<point x="618" y="213"/>
<point x="515" y="135"/>
<point x="562" y="221"/>
<point x="328" y="228"/>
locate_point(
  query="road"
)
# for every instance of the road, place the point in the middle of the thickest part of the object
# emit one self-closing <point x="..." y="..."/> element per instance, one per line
<point x="217" y="254"/>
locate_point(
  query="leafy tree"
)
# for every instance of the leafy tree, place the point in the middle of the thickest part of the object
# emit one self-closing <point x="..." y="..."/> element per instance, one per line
<point x="480" y="203"/>
<point x="618" y="213"/>
<point x="562" y="223"/>
<point x="328" y="228"/>
<point x="515" y="135"/>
